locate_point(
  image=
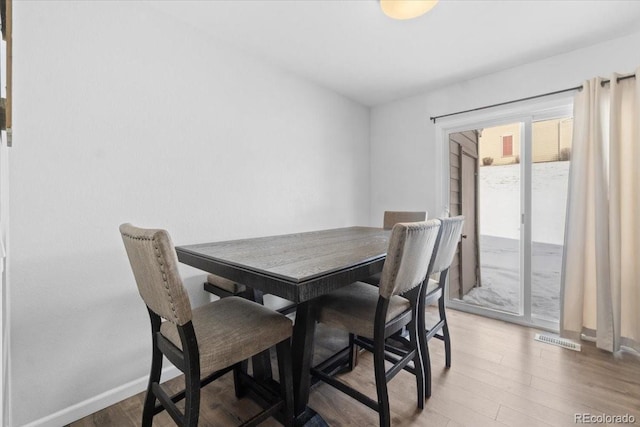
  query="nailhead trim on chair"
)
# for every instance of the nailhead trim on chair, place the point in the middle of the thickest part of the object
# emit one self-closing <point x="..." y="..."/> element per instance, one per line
<point x="164" y="279"/>
<point x="164" y="275"/>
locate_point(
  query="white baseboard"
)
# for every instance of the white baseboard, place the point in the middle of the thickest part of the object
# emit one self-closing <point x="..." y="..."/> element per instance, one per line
<point x="101" y="401"/>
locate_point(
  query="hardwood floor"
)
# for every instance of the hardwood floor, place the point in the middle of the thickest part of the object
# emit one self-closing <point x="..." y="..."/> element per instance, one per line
<point x="499" y="376"/>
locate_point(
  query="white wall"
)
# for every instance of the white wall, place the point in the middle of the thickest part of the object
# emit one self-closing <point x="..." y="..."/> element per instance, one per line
<point x="403" y="139"/>
<point x="122" y="114"/>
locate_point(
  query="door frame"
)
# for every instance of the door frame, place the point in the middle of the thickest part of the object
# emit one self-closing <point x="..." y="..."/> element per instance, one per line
<point x="461" y="146"/>
<point x="6" y="79"/>
<point x="526" y="112"/>
<point x="476" y="229"/>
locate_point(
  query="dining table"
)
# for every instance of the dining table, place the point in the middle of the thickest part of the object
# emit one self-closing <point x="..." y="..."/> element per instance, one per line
<point x="299" y="267"/>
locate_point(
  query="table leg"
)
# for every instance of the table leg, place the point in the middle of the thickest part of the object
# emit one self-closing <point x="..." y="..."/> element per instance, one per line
<point x="261" y="362"/>
<point x="302" y="352"/>
<point x="302" y="355"/>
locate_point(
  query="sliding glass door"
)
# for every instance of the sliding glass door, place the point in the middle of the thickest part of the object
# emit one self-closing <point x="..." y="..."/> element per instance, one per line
<point x="551" y="155"/>
<point x="499" y="197"/>
<point x="520" y="189"/>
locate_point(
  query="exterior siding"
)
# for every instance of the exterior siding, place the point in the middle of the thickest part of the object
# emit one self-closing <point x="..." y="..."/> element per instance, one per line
<point x="546" y="141"/>
<point x="566" y="133"/>
<point x="550" y="138"/>
<point x="491" y="144"/>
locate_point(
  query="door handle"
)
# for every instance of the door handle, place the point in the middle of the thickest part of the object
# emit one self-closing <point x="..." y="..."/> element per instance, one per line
<point x="464" y="236"/>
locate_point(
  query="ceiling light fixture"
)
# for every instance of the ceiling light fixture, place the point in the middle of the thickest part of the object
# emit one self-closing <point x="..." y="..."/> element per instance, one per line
<point x="406" y="9"/>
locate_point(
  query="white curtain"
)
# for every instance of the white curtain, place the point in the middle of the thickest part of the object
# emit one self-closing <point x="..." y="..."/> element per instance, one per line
<point x="601" y="265"/>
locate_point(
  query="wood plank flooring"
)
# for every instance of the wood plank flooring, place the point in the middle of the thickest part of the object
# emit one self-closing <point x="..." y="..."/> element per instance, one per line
<point x="499" y="376"/>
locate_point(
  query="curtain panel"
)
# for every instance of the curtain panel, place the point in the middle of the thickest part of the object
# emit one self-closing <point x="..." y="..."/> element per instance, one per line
<point x="601" y="263"/>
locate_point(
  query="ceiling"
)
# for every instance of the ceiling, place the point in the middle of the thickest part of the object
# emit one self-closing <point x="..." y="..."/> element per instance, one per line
<point x="351" y="47"/>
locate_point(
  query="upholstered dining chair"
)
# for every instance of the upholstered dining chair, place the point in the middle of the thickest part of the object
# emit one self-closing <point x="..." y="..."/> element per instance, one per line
<point x="206" y="342"/>
<point x="391" y="218"/>
<point x="445" y="249"/>
<point x="224" y="288"/>
<point x="373" y="314"/>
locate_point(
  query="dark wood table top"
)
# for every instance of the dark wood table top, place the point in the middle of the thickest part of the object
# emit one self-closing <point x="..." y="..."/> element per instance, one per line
<point x="298" y="266"/>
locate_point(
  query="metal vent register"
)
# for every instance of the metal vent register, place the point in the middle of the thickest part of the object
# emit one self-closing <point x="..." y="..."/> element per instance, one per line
<point x="560" y="342"/>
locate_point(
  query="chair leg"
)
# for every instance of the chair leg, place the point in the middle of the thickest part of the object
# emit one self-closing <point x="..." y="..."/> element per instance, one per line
<point x="445" y="332"/>
<point x="154" y="377"/>
<point x="353" y="353"/>
<point x="156" y="371"/>
<point x="192" y="401"/>
<point x="424" y="350"/>
<point x="191" y="375"/>
<point x="426" y="364"/>
<point x="381" y="384"/>
<point x="417" y="363"/>
<point x="283" y="350"/>
<point x="237" y="379"/>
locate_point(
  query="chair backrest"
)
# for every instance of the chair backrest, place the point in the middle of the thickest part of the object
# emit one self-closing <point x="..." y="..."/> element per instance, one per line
<point x="410" y="249"/>
<point x="391" y="218"/>
<point x="155" y="267"/>
<point x="448" y="238"/>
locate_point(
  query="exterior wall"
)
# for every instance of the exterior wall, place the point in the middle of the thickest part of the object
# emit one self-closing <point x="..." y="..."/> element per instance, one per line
<point x="490" y="144"/>
<point x="566" y="136"/>
<point x="546" y="147"/>
<point x="550" y="137"/>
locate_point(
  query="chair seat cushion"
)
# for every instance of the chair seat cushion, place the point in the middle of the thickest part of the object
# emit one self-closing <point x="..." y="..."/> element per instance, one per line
<point x="353" y="308"/>
<point x="432" y="285"/>
<point x="225" y="284"/>
<point x="231" y="330"/>
<point x="433" y="292"/>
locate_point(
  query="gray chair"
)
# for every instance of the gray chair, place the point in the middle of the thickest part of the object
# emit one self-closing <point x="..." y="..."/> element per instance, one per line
<point x="445" y="249"/>
<point x="390" y="219"/>
<point x="372" y="314"/>
<point x="224" y="288"/>
<point x="205" y="342"/>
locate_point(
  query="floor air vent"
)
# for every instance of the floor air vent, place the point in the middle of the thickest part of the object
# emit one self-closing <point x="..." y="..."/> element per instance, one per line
<point x="560" y="342"/>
